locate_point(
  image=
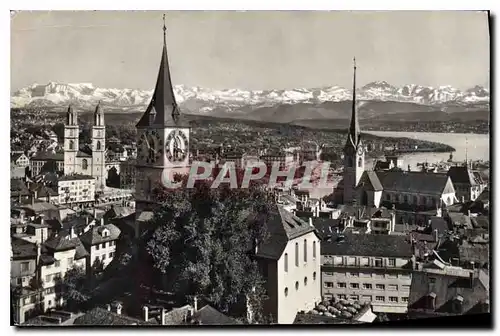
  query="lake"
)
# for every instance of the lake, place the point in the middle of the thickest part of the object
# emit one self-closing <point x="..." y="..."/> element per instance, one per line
<point x="477" y="146"/>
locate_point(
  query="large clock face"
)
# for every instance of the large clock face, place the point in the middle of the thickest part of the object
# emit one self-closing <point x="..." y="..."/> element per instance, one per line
<point x="176" y="146"/>
<point x="150" y="147"/>
<point x="361" y="150"/>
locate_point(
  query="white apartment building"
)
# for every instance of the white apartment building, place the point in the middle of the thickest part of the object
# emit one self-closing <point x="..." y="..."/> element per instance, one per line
<point x="100" y="243"/>
<point x="375" y="268"/>
<point x="76" y="189"/>
<point x="290" y="264"/>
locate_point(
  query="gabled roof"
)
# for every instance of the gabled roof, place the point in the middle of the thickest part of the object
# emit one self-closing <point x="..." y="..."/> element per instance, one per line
<point x="415" y="182"/>
<point x="44" y="156"/>
<point x="62" y="242"/>
<point x="94" y="236"/>
<point x="282" y="226"/>
<point x="374" y="245"/>
<point x="370" y="181"/>
<point x="102" y="317"/>
<point x="22" y="249"/>
<point x="163" y="106"/>
<point x="208" y="315"/>
<point x="463" y="175"/>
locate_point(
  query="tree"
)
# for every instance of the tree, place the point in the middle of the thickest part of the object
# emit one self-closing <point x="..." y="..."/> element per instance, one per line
<point x="203" y="241"/>
<point x="73" y="288"/>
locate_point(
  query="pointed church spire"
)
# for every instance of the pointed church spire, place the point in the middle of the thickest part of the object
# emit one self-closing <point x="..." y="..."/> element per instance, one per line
<point x="71" y="116"/>
<point x="354" y="131"/>
<point x="98" y="115"/>
<point x="163" y="109"/>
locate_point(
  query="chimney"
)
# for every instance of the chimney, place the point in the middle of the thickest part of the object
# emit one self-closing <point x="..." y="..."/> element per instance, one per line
<point x="471" y="279"/>
<point x="86" y="220"/>
<point x="102" y="221"/>
<point x="108" y="307"/>
<point x="72" y="232"/>
<point x="468" y="212"/>
<point x="95" y="212"/>
<point x="463" y="199"/>
<point x="311" y="222"/>
<point x="195" y="304"/>
<point x="163" y="315"/>
<point x="436" y="235"/>
<point x="145" y="309"/>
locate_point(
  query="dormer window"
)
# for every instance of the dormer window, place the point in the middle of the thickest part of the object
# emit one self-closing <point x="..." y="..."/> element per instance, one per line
<point x="457" y="304"/>
<point x="105" y="233"/>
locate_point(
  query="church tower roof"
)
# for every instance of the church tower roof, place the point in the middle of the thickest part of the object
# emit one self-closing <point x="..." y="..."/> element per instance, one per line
<point x="98" y="115"/>
<point x="71" y="116"/>
<point x="353" y="136"/>
<point x="163" y="109"/>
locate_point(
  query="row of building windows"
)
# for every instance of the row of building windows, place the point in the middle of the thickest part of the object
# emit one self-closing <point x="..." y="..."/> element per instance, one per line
<point x="363" y="261"/>
<point x="369" y="298"/>
<point x="103" y="245"/>
<point x="103" y="257"/>
<point x="72" y="145"/>
<point x="297" y="258"/>
<point x="297" y="284"/>
<point x="353" y="285"/>
<point x="369" y="275"/>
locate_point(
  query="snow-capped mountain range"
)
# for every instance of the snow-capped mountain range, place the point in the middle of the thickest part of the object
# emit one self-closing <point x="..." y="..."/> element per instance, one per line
<point x="86" y="95"/>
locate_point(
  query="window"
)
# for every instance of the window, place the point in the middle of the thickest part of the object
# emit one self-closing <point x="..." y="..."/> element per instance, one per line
<point x="104" y="244"/>
<point x="84" y="164"/>
<point x="378" y="262"/>
<point x="296" y="285"/>
<point x="405" y="287"/>
<point x="314" y="276"/>
<point x="286" y="262"/>
<point x="338" y="260"/>
<point x="25" y="266"/>
<point x="71" y="144"/>
<point x="351" y="261"/>
<point x="367" y="286"/>
<point x="342" y="297"/>
<point x="97" y="247"/>
<point x="26" y="301"/>
<point x="404" y="299"/>
<point x="354" y="297"/>
<point x="379" y="298"/>
<point x="57" y="263"/>
<point x="305" y="281"/>
<point x="328" y="284"/>
<point x="341" y="285"/>
<point x="393" y="299"/>
<point x="365" y="275"/>
<point x="366" y="298"/>
<point x="354" y="285"/>
<point x="380" y="286"/>
<point x="388" y="197"/>
<point x="314" y="249"/>
<point x="392" y="287"/>
<point x="354" y="275"/>
<point x="286" y="291"/>
<point x="48" y="278"/>
<point x="305" y="250"/>
<point x="20" y="281"/>
<point x="392" y="276"/>
<point x="415" y="199"/>
<point x="378" y="276"/>
<point x="349" y="161"/>
<point x="98" y="146"/>
<point x="103" y="257"/>
<point x="365" y="261"/>
<point x="392" y="262"/>
<point x="328" y="273"/>
<point x="297" y="254"/>
<point x="70" y="261"/>
<point x="432" y="280"/>
<point x="360" y="162"/>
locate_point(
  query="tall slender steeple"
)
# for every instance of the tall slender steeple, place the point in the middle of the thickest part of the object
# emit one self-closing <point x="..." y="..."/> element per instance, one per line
<point x="353" y="136"/>
<point x="163" y="109"/>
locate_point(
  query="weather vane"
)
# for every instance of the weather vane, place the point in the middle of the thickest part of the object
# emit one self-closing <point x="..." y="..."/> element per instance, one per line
<point x="354" y="61"/>
<point x="164" y="25"/>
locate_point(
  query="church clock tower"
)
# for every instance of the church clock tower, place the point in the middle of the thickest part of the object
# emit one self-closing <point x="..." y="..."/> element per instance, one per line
<point x="162" y="138"/>
<point x="354" y="152"/>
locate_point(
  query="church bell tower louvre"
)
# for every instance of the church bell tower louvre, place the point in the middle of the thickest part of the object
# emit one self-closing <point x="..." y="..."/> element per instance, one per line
<point x="162" y="136"/>
<point x="354" y="151"/>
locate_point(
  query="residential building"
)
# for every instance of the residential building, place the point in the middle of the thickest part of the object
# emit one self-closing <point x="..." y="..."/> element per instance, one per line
<point x="46" y="161"/>
<point x="127" y="173"/>
<point x="441" y="290"/>
<point x="468" y="184"/>
<point x="100" y="242"/>
<point x="368" y="268"/>
<point x="76" y="189"/>
<point x="290" y="264"/>
<point x="20" y="160"/>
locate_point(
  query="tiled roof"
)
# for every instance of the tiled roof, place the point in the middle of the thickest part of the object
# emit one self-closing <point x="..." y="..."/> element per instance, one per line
<point x="282" y="226"/>
<point x="415" y="182"/>
<point x="94" y="236"/>
<point x="75" y="177"/>
<point x="371" y="181"/>
<point x="22" y="249"/>
<point x="103" y="317"/>
<point x="446" y="288"/>
<point x="208" y="315"/>
<point x="62" y="243"/>
<point x="351" y="244"/>
<point x="462" y="175"/>
<point x="45" y="156"/>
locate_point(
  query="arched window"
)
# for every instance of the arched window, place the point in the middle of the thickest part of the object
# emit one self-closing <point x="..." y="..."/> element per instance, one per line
<point x="84" y="164"/>
<point x="286" y="262"/>
<point x="71" y="144"/>
<point x="296" y="285"/>
<point x="314" y="276"/>
<point x="297" y="254"/>
<point x="98" y="146"/>
<point x="286" y="291"/>
<point x="305" y="281"/>
<point x="360" y="162"/>
<point x="314" y="249"/>
<point x="415" y="199"/>
<point x="305" y="250"/>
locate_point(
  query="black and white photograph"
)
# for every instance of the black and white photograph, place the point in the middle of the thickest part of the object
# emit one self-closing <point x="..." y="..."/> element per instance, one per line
<point x="235" y="168"/>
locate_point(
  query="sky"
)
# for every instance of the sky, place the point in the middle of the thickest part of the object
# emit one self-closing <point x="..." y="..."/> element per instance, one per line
<point x="250" y="50"/>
